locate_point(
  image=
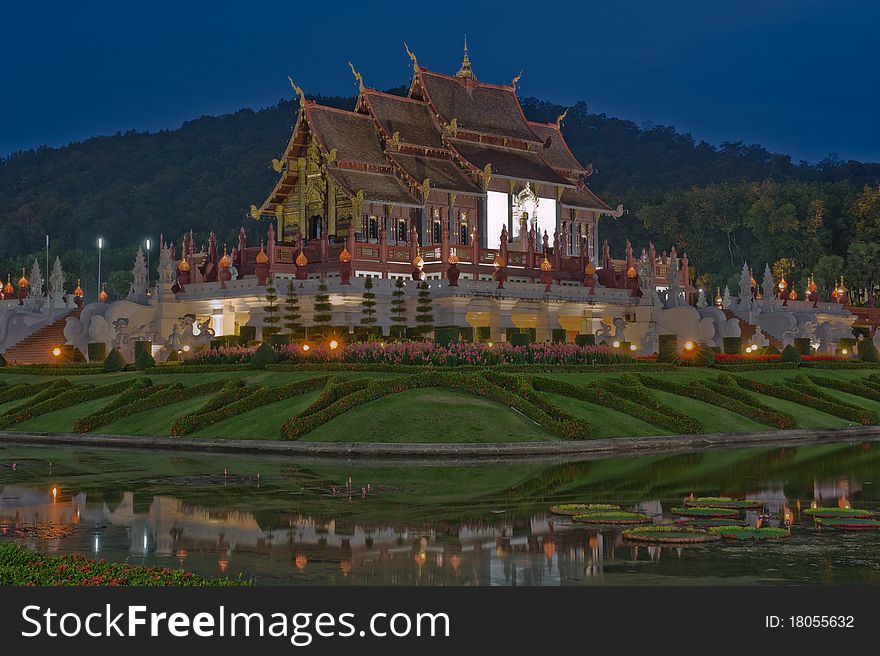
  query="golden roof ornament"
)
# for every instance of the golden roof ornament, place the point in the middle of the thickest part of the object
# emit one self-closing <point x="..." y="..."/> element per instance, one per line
<point x="301" y="259"/>
<point x="415" y="62"/>
<point x="277" y="165"/>
<point x="811" y="286"/>
<point x="183" y="266"/>
<point x="418" y="261"/>
<point x="345" y="256"/>
<point x="9" y="289"/>
<point x="752" y="281"/>
<point x="299" y="92"/>
<point x="498" y="262"/>
<point x="632" y="273"/>
<point x="453" y="258"/>
<point x="102" y="297"/>
<point x="225" y="262"/>
<point x="718" y="299"/>
<point x="466" y="72"/>
<point x="590" y="269"/>
<point x="358" y="77"/>
<point x="22" y="282"/>
<point x="254" y="212"/>
<point x="545" y="265"/>
<point x="792" y="295"/>
<point x="782" y="284"/>
<point x="79" y="290"/>
<point x="515" y="80"/>
<point x="262" y="258"/>
<point x="561" y="118"/>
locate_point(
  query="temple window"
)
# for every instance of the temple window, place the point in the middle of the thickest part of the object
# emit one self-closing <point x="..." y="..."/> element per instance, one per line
<point x="401" y="230"/>
<point x="436" y="231"/>
<point x="373" y="227"/>
<point x="315" y="227"/>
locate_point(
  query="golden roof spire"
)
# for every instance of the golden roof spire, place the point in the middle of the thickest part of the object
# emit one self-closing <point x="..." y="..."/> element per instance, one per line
<point x="466" y="71"/>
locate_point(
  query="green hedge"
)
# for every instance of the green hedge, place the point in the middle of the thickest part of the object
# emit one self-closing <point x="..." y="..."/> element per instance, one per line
<point x="559" y="336"/>
<point x="446" y="334"/>
<point x="519" y="339"/>
<point x="667" y="349"/>
<point x="860" y="388"/>
<point x="196" y="421"/>
<point x="803" y="345"/>
<point x="67" y="398"/>
<point x="597" y="395"/>
<point x="796" y="395"/>
<point x="733" y="345"/>
<point x="47" y="392"/>
<point x="142" y="346"/>
<point x="53" y="369"/>
<point x="22" y="390"/>
<point x="585" y="340"/>
<point x="484" y="333"/>
<point x="97" y="351"/>
<point x="161" y="395"/>
<point x="247" y="334"/>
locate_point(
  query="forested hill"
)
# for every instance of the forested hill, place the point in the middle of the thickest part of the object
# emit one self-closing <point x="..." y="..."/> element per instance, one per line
<point x="722" y="203"/>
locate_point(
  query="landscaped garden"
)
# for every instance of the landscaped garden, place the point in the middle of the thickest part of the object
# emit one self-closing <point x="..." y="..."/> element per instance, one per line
<point x="423" y="392"/>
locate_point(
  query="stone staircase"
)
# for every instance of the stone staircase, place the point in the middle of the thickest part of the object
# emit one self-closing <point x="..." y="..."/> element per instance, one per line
<point x="748" y="330"/>
<point x="37" y="347"/>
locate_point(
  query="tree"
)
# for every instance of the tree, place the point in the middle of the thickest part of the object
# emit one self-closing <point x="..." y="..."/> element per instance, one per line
<point x="398" y="309"/>
<point x="866" y="212"/>
<point x="322" y="311"/>
<point x="862" y="269"/>
<point x="271" y="318"/>
<point x="368" y="305"/>
<point x="827" y="272"/>
<point x="119" y="283"/>
<point x="292" y="313"/>
<point x="424" y="311"/>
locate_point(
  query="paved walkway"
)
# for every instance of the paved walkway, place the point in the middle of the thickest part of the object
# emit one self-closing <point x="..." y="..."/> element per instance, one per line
<point x="587" y="449"/>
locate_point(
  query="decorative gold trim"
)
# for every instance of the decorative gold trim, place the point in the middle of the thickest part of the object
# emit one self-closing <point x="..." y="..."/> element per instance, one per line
<point x="561" y="117"/>
<point x="415" y="62"/>
<point x="278" y="165"/>
<point x="299" y="92"/>
<point x="516" y="79"/>
<point x="358" y="77"/>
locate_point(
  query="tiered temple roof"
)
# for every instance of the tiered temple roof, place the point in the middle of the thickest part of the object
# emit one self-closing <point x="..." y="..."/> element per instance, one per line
<point x="451" y="134"/>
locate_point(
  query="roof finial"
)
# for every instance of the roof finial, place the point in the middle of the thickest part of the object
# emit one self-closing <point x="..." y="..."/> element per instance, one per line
<point x="358" y="77"/>
<point x="413" y="57"/>
<point x="299" y="92"/>
<point x="466" y="71"/>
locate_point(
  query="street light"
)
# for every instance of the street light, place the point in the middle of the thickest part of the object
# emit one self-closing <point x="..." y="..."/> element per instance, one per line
<point x="148" y="243"/>
<point x="100" y="246"/>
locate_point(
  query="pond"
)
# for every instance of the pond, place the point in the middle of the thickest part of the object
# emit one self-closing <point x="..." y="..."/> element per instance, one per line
<point x="284" y="521"/>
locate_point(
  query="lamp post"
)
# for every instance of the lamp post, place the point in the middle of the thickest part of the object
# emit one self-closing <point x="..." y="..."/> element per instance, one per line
<point x="100" y="247"/>
<point x="47" y="266"/>
<point x="148" y="243"/>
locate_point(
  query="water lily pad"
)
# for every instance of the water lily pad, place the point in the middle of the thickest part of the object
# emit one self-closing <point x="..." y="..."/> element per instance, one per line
<point x="849" y="524"/>
<point x="724" y="502"/>
<point x="843" y="513"/>
<point x="749" y="533"/>
<point x="578" y="508"/>
<point x="707" y="522"/>
<point x="670" y="535"/>
<point x="612" y="517"/>
<point x="700" y="511"/>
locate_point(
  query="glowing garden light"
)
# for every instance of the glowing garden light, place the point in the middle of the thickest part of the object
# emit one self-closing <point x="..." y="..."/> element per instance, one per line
<point x="688" y="346"/>
<point x="186" y="348"/>
<point x="334" y="345"/>
<point x="54" y="493"/>
<point x="306" y="347"/>
<point x="615" y="344"/>
<point x="56" y="351"/>
<point x="633" y="347"/>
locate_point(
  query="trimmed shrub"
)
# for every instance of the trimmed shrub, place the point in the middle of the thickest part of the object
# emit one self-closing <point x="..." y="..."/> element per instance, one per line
<point x="279" y="339"/>
<point x="484" y="333"/>
<point x="733" y="345"/>
<point x="803" y="345"/>
<point x="2" y="360"/>
<point x="142" y="346"/>
<point x="446" y="334"/>
<point x="667" y="350"/>
<point x="699" y="356"/>
<point x="868" y="352"/>
<point x="67" y="398"/>
<point x="114" y="361"/>
<point x="791" y="355"/>
<point x="144" y="361"/>
<point x="247" y="333"/>
<point x="97" y="351"/>
<point x="861" y="388"/>
<point x="585" y="340"/>
<point x="263" y="356"/>
<point x="466" y="334"/>
<point x="519" y="339"/>
<point x="559" y="336"/>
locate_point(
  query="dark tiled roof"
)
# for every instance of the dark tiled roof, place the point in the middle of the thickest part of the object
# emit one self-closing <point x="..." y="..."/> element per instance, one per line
<point x="558" y="154"/>
<point x="411" y="118"/>
<point x="443" y="173"/>
<point x="377" y="187"/>
<point x="520" y="164"/>
<point x="483" y="108"/>
<point x="582" y="198"/>
<point x="353" y="135"/>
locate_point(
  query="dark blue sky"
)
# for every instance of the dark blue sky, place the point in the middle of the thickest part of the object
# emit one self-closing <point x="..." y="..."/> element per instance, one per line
<point x="799" y="76"/>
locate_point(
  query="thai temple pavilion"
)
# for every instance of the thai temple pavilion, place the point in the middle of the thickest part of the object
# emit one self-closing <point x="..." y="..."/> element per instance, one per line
<point x="444" y="170"/>
<point x="450" y="184"/>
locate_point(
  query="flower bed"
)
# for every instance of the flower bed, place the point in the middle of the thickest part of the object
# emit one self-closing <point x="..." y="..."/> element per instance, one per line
<point x="21" y="567"/>
<point x="670" y="535"/>
<point x="723" y="502"/>
<point x="843" y="513"/>
<point x="612" y="517"/>
<point x="580" y="508"/>
<point x="849" y="524"/>
<point x="702" y="511"/>
<point x="749" y="533"/>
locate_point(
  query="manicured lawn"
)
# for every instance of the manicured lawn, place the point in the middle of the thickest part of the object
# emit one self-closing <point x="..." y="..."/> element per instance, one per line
<point x="156" y="421"/>
<point x="713" y="418"/>
<point x="61" y="421"/>
<point x="263" y="423"/>
<point x="605" y="421"/>
<point x="429" y="415"/>
<point x="804" y="416"/>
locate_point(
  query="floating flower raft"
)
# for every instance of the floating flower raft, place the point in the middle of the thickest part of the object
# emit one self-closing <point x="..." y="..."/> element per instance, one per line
<point x="749" y="533"/>
<point x="578" y="508"/>
<point x="723" y="502"/>
<point x="670" y="535"/>
<point x="849" y="524"/>
<point x="701" y="511"/>
<point x="842" y="513"/>
<point x="612" y="517"/>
